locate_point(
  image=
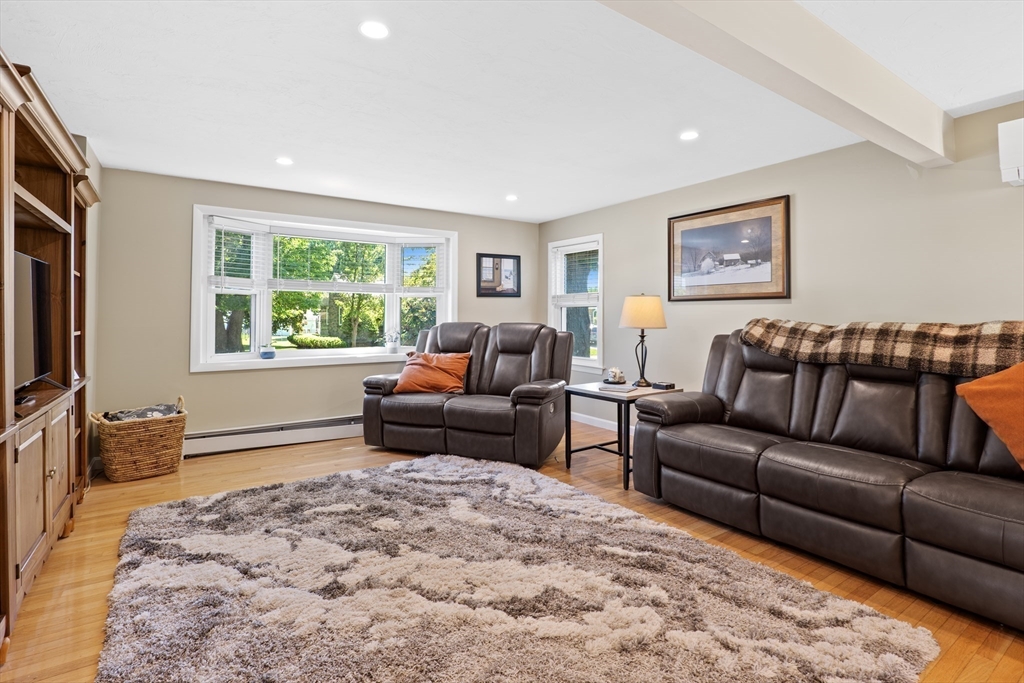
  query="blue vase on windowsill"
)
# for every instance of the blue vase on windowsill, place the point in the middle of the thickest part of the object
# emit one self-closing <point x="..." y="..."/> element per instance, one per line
<point x="267" y="352"/>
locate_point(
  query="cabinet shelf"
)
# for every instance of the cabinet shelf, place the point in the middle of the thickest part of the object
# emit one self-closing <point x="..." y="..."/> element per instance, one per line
<point x="45" y="395"/>
<point x="32" y="213"/>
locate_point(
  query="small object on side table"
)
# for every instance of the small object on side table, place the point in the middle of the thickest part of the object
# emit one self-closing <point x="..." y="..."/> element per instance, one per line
<point x="664" y="386"/>
<point x="614" y="376"/>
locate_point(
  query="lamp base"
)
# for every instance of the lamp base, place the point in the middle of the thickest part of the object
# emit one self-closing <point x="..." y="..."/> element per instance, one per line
<point x="641" y="383"/>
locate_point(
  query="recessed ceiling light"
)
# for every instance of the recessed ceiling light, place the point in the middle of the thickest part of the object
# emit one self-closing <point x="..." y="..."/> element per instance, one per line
<point x="689" y="135"/>
<point x="374" y="29"/>
<point x="744" y="241"/>
<point x="284" y="161"/>
<point x="511" y="198"/>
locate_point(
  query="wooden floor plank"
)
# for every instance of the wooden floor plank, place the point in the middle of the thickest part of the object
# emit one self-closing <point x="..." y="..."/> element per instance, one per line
<point x="59" y="631"/>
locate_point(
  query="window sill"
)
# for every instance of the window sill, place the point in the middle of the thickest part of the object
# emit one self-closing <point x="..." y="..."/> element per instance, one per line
<point x="371" y="356"/>
<point x="585" y="366"/>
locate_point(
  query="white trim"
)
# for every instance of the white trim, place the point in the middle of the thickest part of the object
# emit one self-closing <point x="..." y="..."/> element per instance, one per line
<point x="610" y="425"/>
<point x="201" y="358"/>
<point x="554" y="313"/>
<point x="269" y="218"/>
<point x="204" y="445"/>
<point x="294" y="360"/>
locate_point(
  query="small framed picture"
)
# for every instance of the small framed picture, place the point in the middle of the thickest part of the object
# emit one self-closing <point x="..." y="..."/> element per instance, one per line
<point x="497" y="275"/>
<point x="736" y="252"/>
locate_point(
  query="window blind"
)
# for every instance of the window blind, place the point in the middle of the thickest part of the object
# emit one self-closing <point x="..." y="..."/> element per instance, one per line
<point x="575" y="275"/>
<point x="243" y="256"/>
<point x="236" y="255"/>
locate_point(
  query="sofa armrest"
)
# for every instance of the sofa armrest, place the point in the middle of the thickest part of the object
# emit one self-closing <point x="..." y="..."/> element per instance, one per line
<point x="538" y="392"/>
<point x="679" y="407"/>
<point x="380" y="384"/>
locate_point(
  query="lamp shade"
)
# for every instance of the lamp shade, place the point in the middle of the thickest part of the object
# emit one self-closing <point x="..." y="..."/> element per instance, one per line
<point x="643" y="312"/>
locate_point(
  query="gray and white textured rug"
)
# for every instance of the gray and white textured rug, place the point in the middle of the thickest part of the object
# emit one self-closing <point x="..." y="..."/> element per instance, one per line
<point x="455" y="570"/>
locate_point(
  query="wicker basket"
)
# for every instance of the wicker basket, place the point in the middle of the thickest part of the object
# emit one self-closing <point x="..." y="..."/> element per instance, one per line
<point x="147" y="447"/>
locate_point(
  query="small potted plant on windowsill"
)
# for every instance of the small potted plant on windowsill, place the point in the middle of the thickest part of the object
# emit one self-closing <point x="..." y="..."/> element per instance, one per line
<point x="267" y="351"/>
<point x="391" y="340"/>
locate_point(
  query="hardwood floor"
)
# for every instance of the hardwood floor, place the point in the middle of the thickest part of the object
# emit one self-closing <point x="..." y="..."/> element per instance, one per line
<point x="59" y="632"/>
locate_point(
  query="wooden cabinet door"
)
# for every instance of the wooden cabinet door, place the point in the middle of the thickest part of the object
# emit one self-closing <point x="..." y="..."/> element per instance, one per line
<point x="30" y="500"/>
<point x="58" y="468"/>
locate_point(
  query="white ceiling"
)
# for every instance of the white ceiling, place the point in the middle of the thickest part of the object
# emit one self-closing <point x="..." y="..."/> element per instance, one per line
<point x="568" y="105"/>
<point x="964" y="55"/>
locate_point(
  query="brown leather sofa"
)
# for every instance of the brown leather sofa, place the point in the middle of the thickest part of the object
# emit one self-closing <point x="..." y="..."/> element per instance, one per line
<point x="513" y="408"/>
<point x="886" y="471"/>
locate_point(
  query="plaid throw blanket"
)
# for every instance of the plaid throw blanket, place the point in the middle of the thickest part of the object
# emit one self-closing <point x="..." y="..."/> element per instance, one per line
<point x="962" y="350"/>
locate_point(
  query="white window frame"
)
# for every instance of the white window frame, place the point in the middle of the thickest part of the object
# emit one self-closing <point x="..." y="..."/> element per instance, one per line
<point x="558" y="300"/>
<point x="201" y="344"/>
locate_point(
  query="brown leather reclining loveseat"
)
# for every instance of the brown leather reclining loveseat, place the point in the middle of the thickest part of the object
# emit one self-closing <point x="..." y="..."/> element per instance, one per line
<point x="884" y="470"/>
<point x="513" y="408"/>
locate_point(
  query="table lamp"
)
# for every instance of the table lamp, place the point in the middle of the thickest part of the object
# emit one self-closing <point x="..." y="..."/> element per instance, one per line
<point x="643" y="312"/>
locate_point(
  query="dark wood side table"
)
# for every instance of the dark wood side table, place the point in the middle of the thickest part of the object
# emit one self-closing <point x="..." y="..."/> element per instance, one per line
<point x="622" y="401"/>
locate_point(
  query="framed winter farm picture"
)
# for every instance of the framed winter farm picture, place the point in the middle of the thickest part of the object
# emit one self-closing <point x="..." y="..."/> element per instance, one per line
<point x="736" y="252"/>
<point x="497" y="275"/>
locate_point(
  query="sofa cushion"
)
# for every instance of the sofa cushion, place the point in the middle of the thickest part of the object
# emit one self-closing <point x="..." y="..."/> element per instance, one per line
<point x="999" y="400"/>
<point x="481" y="413"/>
<point x="855" y="485"/>
<point x="433" y="372"/>
<point x="721" y="453"/>
<point x="973" y="514"/>
<point x="426" y="410"/>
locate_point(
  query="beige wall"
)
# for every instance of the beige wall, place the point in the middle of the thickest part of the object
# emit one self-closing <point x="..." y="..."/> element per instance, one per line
<point x="143" y="286"/>
<point x="872" y="238"/>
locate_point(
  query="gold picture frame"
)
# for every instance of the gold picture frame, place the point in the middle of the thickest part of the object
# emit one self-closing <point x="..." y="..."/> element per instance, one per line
<point x="735" y="252"/>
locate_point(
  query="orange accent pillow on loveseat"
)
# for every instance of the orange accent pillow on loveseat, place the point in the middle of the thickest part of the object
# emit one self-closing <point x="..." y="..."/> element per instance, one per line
<point x="998" y="399"/>
<point x="435" y="373"/>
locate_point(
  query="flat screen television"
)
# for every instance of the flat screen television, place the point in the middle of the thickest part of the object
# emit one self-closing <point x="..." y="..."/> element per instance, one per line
<point x="32" y="348"/>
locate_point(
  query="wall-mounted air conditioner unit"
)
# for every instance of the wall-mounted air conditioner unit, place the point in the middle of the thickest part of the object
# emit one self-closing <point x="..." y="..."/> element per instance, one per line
<point x="1011" y="151"/>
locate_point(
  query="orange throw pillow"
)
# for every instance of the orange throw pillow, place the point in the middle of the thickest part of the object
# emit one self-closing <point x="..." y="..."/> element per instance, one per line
<point x="999" y="400"/>
<point x="435" y="373"/>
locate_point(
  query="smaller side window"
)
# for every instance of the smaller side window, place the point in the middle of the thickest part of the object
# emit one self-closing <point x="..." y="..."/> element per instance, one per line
<point x="575" y="280"/>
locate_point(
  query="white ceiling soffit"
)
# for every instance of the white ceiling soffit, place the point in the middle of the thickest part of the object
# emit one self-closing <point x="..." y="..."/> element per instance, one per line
<point x="788" y="50"/>
<point x="567" y="105"/>
<point x="965" y="56"/>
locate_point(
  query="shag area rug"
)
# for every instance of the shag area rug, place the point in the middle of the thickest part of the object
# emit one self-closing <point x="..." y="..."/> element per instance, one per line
<point x="456" y="570"/>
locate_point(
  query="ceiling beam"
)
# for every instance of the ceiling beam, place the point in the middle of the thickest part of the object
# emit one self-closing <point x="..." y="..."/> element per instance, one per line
<point x="786" y="49"/>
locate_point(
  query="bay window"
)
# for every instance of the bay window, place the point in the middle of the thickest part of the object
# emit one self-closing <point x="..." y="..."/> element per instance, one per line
<point x="313" y="291"/>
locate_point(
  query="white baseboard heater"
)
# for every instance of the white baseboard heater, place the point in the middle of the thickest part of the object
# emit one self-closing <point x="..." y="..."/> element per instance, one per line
<point x="262" y="436"/>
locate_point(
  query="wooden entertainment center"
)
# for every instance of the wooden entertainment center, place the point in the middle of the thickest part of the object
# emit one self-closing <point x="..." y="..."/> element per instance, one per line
<point x="44" y="197"/>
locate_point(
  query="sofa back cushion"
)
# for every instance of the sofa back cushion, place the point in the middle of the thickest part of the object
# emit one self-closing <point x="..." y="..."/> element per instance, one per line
<point x="868" y="408"/>
<point x="974" y="447"/>
<point x="466" y="337"/>
<point x="903" y="413"/>
<point x="763" y="392"/>
<point x="517" y="353"/>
